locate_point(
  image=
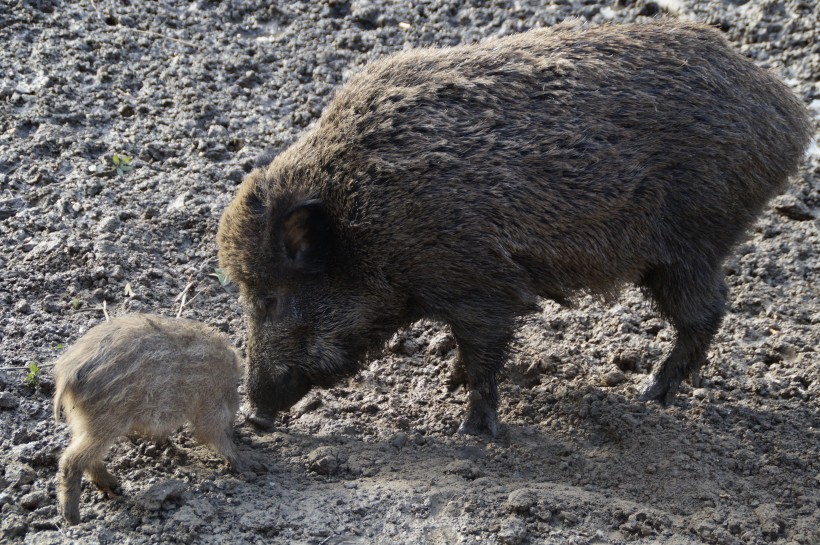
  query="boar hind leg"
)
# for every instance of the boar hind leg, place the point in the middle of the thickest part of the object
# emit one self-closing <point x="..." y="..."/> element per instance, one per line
<point x="482" y="352"/>
<point x="694" y="301"/>
<point x="214" y="431"/>
<point x="82" y="453"/>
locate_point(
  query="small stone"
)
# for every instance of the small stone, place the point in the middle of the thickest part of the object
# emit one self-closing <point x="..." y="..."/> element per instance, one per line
<point x="402" y="345"/>
<point x="700" y="393"/>
<point x="308" y="404"/>
<point x="792" y="207"/>
<point x="513" y="531"/>
<point x="13" y="526"/>
<point x="324" y="460"/>
<point x="259" y="520"/>
<point x="187" y="518"/>
<point x="463" y="468"/>
<point x="8" y="401"/>
<point x="22" y="307"/>
<point x="10" y="207"/>
<point x="521" y="501"/>
<point x="441" y="344"/>
<point x="613" y="378"/>
<point x="178" y="203"/>
<point x="409" y="347"/>
<point x="33" y="500"/>
<point x="19" y="474"/>
<point x="770" y="522"/>
<point x="626" y="360"/>
<point x="217" y="130"/>
<point x="52" y="306"/>
<point x="567" y="517"/>
<point x="236" y="175"/>
<point x="399" y="440"/>
<point x="116" y="273"/>
<point x="109" y="224"/>
<point x="157" y="494"/>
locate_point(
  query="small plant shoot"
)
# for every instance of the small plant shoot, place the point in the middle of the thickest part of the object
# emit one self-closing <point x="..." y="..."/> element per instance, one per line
<point x="33" y="376"/>
<point x="120" y="165"/>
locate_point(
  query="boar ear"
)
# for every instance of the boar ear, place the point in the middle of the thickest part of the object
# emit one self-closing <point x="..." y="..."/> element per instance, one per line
<point x="306" y="236"/>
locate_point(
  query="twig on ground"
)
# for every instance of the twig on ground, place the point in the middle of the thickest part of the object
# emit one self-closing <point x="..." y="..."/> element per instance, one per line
<point x="26" y="367"/>
<point x="183" y="296"/>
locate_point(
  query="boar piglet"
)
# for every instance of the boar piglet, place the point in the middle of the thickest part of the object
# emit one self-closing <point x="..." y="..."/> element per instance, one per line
<point x="463" y="184"/>
<point x="146" y="374"/>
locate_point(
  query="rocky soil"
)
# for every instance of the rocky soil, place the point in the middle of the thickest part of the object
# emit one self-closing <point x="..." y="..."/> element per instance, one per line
<point x="194" y="92"/>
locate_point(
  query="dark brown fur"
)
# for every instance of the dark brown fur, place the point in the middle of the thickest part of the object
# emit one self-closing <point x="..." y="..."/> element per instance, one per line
<point x="147" y="374"/>
<point x="462" y="184"/>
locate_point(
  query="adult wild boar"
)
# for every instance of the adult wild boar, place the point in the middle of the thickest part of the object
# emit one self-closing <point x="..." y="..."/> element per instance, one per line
<point x="147" y="374"/>
<point x="462" y="184"/>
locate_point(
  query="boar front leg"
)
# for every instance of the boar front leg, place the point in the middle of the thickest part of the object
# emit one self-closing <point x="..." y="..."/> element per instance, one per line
<point x="482" y="351"/>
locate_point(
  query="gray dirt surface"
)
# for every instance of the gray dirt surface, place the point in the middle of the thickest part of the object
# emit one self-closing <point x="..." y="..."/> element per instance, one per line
<point x="195" y="92"/>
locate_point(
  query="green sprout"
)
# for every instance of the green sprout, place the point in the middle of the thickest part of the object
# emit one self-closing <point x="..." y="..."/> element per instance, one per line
<point x="220" y="275"/>
<point x="33" y="377"/>
<point x="76" y="303"/>
<point x="120" y="164"/>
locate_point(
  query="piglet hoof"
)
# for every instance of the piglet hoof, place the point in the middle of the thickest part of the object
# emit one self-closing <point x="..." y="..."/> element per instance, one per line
<point x="110" y="493"/>
<point x="238" y="465"/>
<point x="108" y="485"/>
<point x="481" y="418"/>
<point x="70" y="513"/>
<point x="655" y="389"/>
<point x="260" y="421"/>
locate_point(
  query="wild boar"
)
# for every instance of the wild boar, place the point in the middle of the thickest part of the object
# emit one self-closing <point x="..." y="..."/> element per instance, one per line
<point x="146" y="374"/>
<point x="462" y="184"/>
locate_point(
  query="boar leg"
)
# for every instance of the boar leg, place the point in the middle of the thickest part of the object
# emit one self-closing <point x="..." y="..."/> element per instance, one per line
<point x="212" y="430"/>
<point x="694" y="301"/>
<point x="482" y="352"/>
<point x="83" y="452"/>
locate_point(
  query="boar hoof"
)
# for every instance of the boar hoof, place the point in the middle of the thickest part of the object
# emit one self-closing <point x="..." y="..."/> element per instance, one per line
<point x="658" y="390"/>
<point x="260" y="420"/>
<point x="481" y="418"/>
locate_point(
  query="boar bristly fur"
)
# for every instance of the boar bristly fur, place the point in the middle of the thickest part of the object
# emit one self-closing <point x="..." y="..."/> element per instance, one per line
<point x="463" y="184"/>
<point x="146" y="374"/>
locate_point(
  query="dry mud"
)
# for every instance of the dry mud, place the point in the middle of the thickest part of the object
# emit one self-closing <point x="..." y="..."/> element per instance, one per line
<point x="195" y="92"/>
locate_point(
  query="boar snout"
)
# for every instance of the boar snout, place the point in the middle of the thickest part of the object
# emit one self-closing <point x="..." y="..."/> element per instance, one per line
<point x="268" y="394"/>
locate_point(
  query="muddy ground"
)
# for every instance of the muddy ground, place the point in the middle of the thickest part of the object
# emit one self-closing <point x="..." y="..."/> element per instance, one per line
<point x="194" y="92"/>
